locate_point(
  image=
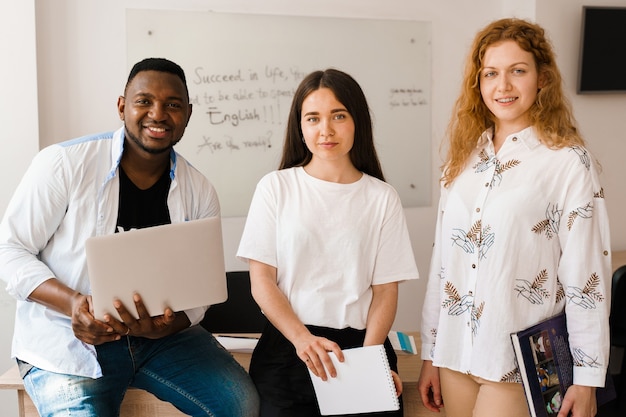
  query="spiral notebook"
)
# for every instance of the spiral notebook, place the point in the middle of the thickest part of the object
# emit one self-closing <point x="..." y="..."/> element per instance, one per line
<point x="363" y="384"/>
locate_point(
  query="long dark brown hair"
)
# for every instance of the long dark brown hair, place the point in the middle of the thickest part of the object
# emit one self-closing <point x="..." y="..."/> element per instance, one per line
<point x="348" y="92"/>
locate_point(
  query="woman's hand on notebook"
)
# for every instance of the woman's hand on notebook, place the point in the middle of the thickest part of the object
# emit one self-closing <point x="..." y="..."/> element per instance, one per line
<point x="313" y="350"/>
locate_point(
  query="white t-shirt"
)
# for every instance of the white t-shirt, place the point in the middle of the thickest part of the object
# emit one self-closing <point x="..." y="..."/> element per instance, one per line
<point x="330" y="243"/>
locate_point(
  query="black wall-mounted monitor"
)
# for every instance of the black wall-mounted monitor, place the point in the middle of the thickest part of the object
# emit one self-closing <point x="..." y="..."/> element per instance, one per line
<point x="602" y="64"/>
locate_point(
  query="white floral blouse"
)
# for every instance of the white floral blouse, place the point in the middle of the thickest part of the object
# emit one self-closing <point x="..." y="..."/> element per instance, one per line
<point x="521" y="235"/>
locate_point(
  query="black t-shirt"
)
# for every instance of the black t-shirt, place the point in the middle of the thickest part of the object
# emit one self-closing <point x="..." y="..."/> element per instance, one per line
<point x="143" y="208"/>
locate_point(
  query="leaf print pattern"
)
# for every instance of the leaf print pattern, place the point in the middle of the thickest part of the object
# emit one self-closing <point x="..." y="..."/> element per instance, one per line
<point x="487" y="239"/>
<point x="550" y="225"/>
<point x="570" y="220"/>
<point x="456" y="304"/>
<point x="590" y="288"/>
<point x="452" y="293"/>
<point x="512" y="376"/>
<point x="587" y="296"/>
<point x="543" y="227"/>
<point x="599" y="194"/>
<point x="487" y="161"/>
<point x="584" y="212"/>
<point x="533" y="284"/>
<point x="475" y="317"/>
<point x="500" y="168"/>
<point x="476" y="237"/>
<point x="560" y="291"/>
<point x="583" y="155"/>
<point x="533" y="292"/>
<point x="474" y="232"/>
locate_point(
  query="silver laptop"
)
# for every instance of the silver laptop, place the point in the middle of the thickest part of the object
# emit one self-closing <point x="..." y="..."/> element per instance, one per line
<point x="178" y="265"/>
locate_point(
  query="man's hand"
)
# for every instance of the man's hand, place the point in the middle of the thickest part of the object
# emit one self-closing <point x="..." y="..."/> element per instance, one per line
<point x="145" y="326"/>
<point x="86" y="327"/>
<point x="57" y="296"/>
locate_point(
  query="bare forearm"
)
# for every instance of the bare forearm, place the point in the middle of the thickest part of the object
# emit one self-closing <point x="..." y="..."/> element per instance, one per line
<point x="382" y="313"/>
<point x="55" y="295"/>
<point x="312" y="350"/>
<point x="59" y="297"/>
<point x="273" y="302"/>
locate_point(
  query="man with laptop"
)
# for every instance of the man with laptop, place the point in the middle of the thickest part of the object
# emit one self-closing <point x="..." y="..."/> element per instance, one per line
<point x="78" y="361"/>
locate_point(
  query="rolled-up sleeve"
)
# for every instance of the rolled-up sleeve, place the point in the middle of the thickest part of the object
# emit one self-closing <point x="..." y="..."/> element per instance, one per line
<point x="585" y="273"/>
<point x="32" y="216"/>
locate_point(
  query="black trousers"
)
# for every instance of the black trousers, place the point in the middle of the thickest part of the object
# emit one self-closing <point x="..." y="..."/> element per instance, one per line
<point x="283" y="381"/>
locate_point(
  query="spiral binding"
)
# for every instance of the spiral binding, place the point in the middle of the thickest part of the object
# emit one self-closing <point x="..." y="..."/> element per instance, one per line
<point x="392" y="385"/>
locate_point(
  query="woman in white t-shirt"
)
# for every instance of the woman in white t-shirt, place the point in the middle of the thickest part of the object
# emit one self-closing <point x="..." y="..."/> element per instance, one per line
<point x="327" y="244"/>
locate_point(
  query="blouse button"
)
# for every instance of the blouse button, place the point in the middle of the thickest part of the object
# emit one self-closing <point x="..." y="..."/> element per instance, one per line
<point x="477" y="209"/>
<point x="486" y="184"/>
<point x="515" y="139"/>
<point x="606" y="252"/>
<point x="473" y="266"/>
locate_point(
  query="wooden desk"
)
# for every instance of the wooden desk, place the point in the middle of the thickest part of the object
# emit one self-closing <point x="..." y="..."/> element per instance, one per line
<point x="141" y="403"/>
<point x="618" y="258"/>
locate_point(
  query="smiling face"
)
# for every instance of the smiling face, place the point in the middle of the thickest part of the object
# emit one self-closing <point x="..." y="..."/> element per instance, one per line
<point x="508" y="85"/>
<point x="155" y="110"/>
<point x="327" y="127"/>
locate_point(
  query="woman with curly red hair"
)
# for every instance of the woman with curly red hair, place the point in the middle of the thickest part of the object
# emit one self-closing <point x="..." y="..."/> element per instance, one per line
<point x="522" y="233"/>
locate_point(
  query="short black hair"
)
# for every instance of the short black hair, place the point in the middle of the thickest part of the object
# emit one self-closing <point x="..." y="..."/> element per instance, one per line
<point x="158" y="64"/>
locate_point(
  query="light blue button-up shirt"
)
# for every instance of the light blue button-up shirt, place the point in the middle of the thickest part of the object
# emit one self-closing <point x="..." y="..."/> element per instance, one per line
<point x="68" y="194"/>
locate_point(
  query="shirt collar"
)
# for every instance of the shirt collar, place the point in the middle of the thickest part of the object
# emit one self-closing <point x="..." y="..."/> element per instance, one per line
<point x="527" y="136"/>
<point x="118" y="149"/>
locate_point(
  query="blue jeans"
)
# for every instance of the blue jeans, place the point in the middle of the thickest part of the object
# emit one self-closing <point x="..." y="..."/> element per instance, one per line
<point x="190" y="370"/>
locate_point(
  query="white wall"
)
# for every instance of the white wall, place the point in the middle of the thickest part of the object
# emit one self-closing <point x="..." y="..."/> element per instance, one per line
<point x="601" y="117"/>
<point x="19" y="139"/>
<point x="82" y="64"/>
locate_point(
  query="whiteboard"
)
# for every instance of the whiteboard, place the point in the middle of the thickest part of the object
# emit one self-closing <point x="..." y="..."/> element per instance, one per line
<point x="242" y="71"/>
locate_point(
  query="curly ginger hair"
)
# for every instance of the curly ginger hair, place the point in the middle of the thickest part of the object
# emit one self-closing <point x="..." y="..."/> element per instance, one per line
<point x="551" y="114"/>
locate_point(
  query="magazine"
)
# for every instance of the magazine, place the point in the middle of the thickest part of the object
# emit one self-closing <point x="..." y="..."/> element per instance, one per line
<point x="547" y="368"/>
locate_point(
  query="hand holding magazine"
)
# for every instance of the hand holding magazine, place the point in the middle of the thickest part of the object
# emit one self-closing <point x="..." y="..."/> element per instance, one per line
<point x="546" y="366"/>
